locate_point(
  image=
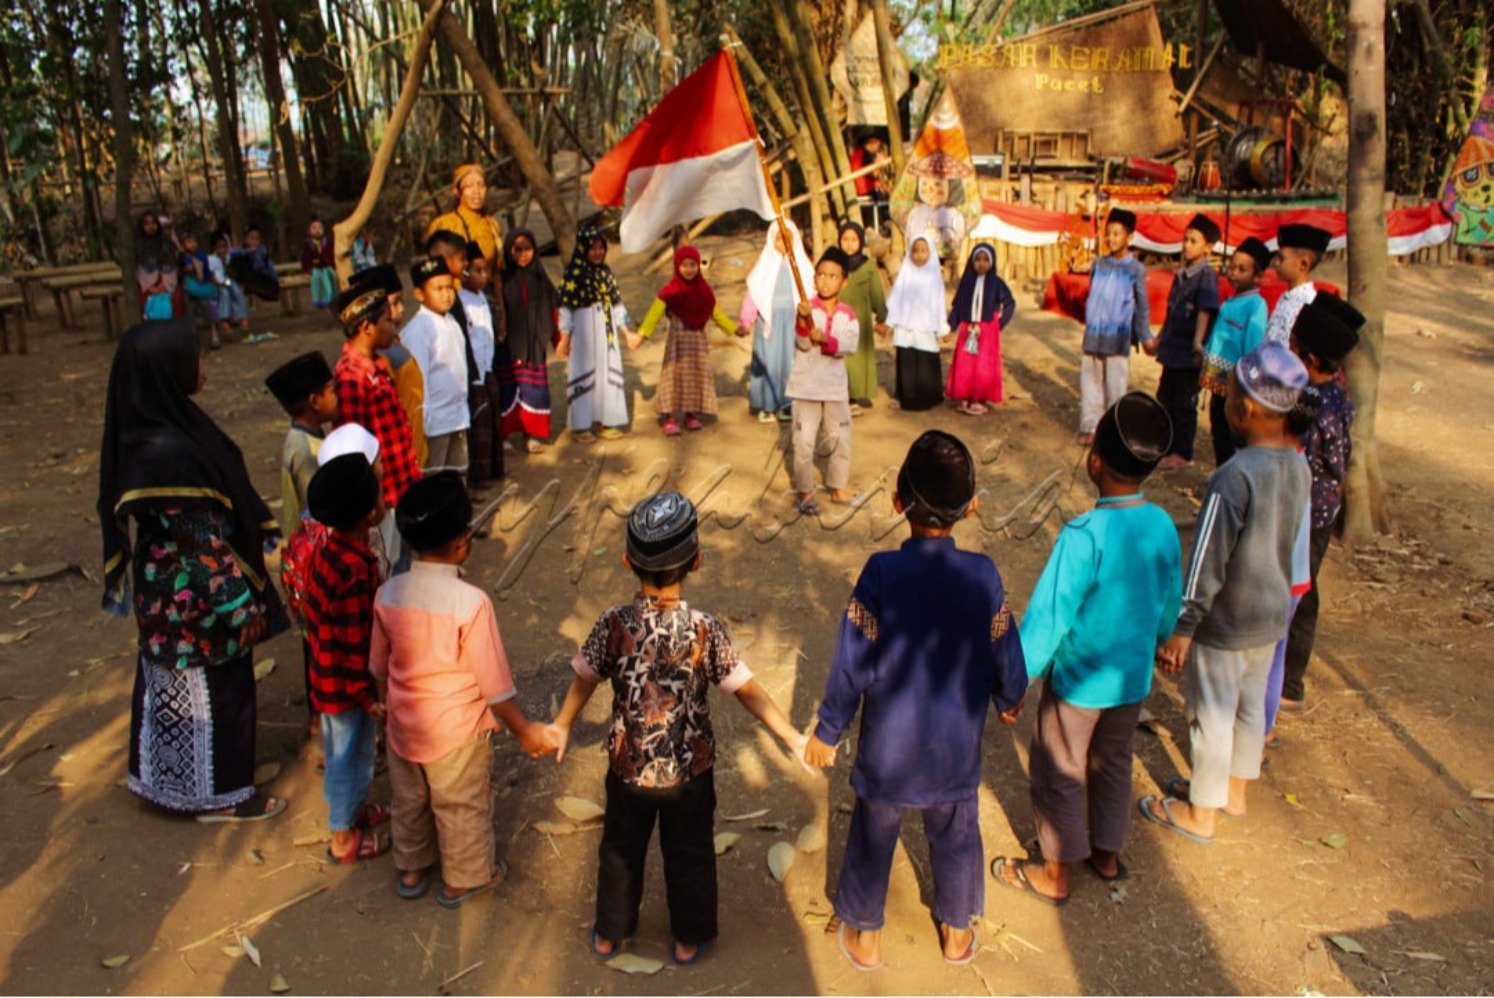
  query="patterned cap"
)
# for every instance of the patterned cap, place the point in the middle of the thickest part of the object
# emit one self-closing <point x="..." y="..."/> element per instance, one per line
<point x="1206" y="227"/>
<point x="358" y="303"/>
<point x="662" y="533"/>
<point x="349" y="438"/>
<point x="342" y="492"/>
<point x="294" y="381"/>
<point x="424" y="270"/>
<point x="434" y="511"/>
<point x="1273" y="376"/>
<point x="1133" y="435"/>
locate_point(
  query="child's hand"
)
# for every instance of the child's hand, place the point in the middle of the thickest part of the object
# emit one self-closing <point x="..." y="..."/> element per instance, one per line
<point x="818" y="754"/>
<point x="558" y="737"/>
<point x="816" y="335"/>
<point x="1149" y="347"/>
<point x="634" y="341"/>
<point x="534" y="740"/>
<point x="563" y="348"/>
<point x="377" y="711"/>
<point x="1010" y="715"/>
<point x="803" y="310"/>
<point x="1172" y="656"/>
<point x="883" y="329"/>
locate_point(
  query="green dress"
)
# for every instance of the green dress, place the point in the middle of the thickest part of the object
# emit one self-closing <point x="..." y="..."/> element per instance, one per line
<point x="863" y="293"/>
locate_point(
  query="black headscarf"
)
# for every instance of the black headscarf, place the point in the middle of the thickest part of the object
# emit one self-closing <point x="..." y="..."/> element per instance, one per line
<point x="991" y="296"/>
<point x="585" y="283"/>
<point x="859" y="257"/>
<point x="154" y="253"/>
<point x="529" y="302"/>
<point x="161" y="450"/>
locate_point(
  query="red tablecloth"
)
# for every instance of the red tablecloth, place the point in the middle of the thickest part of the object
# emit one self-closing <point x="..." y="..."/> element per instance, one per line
<point x="1066" y="293"/>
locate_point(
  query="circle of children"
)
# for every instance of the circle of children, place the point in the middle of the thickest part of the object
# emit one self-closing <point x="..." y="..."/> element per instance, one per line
<point x="393" y="635"/>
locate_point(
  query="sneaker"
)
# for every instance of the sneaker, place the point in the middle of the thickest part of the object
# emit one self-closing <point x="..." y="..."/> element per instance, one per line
<point x="764" y="416"/>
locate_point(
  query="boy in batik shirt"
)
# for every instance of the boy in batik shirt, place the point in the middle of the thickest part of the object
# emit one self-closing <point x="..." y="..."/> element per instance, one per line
<point x="661" y="658"/>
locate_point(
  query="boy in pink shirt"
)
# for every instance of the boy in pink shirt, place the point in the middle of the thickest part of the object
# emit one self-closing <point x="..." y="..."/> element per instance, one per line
<point x="445" y="681"/>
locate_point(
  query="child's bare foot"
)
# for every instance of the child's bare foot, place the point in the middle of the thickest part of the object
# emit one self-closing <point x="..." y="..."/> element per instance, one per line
<point x="600" y="947"/>
<point x="1106" y="864"/>
<point x="688" y="953"/>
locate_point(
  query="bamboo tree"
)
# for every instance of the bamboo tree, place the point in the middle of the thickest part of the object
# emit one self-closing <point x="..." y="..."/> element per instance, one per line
<point x="280" y="120"/>
<point x="124" y="154"/>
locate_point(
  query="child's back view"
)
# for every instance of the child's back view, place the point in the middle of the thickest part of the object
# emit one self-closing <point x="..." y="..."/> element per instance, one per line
<point x="927" y="643"/>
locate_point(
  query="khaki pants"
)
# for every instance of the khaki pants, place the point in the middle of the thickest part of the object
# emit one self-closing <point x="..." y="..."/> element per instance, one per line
<point x="1102" y="381"/>
<point x="443" y="810"/>
<point x="447" y="450"/>
<point x="833" y="420"/>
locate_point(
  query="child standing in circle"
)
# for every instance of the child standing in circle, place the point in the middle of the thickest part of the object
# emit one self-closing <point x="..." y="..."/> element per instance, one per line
<point x="915" y="311"/>
<point x="593" y="323"/>
<point x="983" y="305"/>
<point x="686" y="382"/>
<point x="768" y="314"/>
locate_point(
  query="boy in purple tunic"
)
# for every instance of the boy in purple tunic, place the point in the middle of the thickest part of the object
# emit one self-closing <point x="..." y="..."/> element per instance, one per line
<point x="926" y="643"/>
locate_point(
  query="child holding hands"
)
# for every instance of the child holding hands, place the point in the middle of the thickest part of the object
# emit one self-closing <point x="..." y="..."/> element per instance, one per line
<point x="661" y="658"/>
<point x="825" y="333"/>
<point x="926" y="644"/>
<point x="593" y="324"/>
<point x="686" y="382"/>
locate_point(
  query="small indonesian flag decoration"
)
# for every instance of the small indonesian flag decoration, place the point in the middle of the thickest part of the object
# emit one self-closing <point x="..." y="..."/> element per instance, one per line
<point x="696" y="154"/>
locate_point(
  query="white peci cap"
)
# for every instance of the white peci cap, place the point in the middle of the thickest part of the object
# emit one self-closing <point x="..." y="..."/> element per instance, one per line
<point x="349" y="438"/>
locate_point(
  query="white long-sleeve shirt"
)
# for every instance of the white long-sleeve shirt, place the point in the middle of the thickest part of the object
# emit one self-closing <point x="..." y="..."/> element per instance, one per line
<point x="436" y="343"/>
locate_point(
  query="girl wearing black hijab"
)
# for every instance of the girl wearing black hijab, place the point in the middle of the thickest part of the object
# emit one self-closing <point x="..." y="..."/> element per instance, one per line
<point x="194" y="576"/>
<point x="530" y="302"/>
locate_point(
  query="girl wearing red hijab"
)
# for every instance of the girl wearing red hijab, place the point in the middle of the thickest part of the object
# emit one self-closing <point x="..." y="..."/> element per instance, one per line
<point x="686" y="383"/>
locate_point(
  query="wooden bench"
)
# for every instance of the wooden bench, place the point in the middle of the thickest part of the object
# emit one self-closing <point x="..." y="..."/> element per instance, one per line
<point x="109" y="297"/>
<point x="62" y="289"/>
<point x="290" y="292"/>
<point x="105" y="270"/>
<point x="13" y="309"/>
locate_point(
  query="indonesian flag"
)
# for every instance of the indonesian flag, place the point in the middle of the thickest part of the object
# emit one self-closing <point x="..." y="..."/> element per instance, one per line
<point x="696" y="154"/>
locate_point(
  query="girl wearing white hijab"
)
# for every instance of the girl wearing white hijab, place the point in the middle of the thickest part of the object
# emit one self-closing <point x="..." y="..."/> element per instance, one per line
<point x="768" y="313"/>
<point x="915" y="311"/>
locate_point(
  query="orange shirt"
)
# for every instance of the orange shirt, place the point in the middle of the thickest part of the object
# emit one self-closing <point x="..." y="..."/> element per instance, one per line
<point x="436" y="641"/>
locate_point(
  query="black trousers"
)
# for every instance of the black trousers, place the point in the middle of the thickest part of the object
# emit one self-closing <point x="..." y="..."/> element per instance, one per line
<point x="1304" y="629"/>
<point x="686" y="816"/>
<point x="1178" y="393"/>
<point x="1224" y="440"/>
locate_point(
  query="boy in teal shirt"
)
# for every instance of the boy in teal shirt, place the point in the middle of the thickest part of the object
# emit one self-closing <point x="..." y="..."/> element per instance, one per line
<point x="1110" y="594"/>
<point x="1240" y="328"/>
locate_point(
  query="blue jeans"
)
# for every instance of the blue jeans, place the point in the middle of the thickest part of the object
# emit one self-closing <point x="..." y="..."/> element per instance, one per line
<point x="955" y="853"/>
<point x="348" y="745"/>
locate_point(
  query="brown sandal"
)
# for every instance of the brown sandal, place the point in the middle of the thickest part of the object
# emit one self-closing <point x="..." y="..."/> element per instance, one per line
<point x="366" y="845"/>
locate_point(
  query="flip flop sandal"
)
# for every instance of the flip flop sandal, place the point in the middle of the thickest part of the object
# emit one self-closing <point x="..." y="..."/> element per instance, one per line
<point x="1169" y="823"/>
<point x="845" y="951"/>
<point x="671" y="428"/>
<point x="448" y="901"/>
<point x="365" y="846"/>
<point x="856" y="499"/>
<point x="415" y="891"/>
<point x="370" y="815"/>
<point x="700" y="950"/>
<point x="693" y="423"/>
<point x="764" y="416"/>
<point x="1023" y="885"/>
<point x="808" y="507"/>
<point x="598" y="955"/>
<point x="257" y="808"/>
<point x="965" y="957"/>
<point x="611" y="433"/>
<point x="1176" y="786"/>
<point x="1121" y="871"/>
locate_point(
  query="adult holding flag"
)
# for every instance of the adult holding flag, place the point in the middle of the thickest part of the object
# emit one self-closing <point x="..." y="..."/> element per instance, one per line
<point x="695" y="154"/>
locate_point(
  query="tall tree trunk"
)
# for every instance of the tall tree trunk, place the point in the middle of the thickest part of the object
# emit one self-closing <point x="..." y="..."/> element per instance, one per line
<point x="819" y="89"/>
<point x="228" y="133"/>
<point x="531" y="164"/>
<point x="798" y="73"/>
<point x="668" y="62"/>
<point x="345" y="231"/>
<point x="124" y="154"/>
<point x="887" y="60"/>
<point x="1364" y="498"/>
<point x="280" y="117"/>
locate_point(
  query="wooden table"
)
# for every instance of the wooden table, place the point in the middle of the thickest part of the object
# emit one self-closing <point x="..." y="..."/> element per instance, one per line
<point x="12" y="307"/>
<point x="109" y="297"/>
<point x="62" y="289"/>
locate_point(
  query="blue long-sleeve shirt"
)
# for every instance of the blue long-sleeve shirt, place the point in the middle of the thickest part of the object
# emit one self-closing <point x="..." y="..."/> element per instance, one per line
<point x="1110" y="593"/>
<point x="1117" y="313"/>
<point x="926" y="644"/>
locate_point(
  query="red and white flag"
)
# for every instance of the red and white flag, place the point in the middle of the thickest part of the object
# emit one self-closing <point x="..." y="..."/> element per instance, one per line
<point x="696" y="154"/>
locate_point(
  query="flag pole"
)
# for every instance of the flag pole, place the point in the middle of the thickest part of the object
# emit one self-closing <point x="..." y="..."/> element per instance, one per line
<point x="736" y="77"/>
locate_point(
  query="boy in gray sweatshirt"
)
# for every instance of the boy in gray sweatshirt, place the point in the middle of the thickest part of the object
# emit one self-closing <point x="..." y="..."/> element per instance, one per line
<point x="1235" y="596"/>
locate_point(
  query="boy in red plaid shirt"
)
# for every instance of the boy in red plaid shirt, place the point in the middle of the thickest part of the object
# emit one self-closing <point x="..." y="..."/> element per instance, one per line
<point x="366" y="394"/>
<point x="340" y="584"/>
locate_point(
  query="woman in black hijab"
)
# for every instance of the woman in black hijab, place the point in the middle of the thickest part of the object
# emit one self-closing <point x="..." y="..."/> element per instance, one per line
<point x="194" y="575"/>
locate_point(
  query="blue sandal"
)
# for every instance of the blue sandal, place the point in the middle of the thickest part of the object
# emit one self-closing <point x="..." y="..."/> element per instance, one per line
<point x="415" y="891"/>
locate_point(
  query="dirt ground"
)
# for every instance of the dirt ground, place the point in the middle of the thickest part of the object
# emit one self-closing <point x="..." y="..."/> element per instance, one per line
<point x="1385" y="762"/>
